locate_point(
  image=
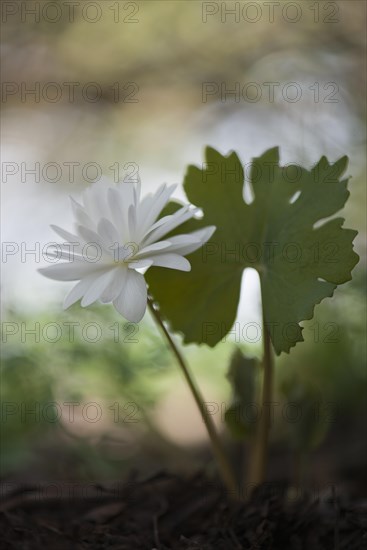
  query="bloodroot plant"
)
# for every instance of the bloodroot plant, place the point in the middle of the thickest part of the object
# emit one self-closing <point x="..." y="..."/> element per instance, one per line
<point x="282" y="233"/>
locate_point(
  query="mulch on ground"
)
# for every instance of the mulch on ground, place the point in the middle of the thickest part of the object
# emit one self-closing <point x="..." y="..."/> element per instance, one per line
<point x="172" y="512"/>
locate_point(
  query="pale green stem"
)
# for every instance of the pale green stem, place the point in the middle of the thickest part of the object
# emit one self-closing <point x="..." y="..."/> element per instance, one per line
<point x="218" y="451"/>
<point x="259" y="455"/>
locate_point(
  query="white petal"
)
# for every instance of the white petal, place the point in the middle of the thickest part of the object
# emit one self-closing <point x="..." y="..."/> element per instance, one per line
<point x="124" y="195"/>
<point x="69" y="237"/>
<point x="125" y="252"/>
<point x="204" y="234"/>
<point x="158" y="223"/>
<point x="151" y="207"/>
<point x="71" y="271"/>
<point x="132" y="300"/>
<point x="137" y="190"/>
<point x="115" y="285"/>
<point x="174" y="220"/>
<point x="95" y="201"/>
<point x="62" y="252"/>
<point x="108" y="232"/>
<point x="80" y="214"/>
<point x="161" y="245"/>
<point x="187" y="243"/>
<point x="139" y="264"/>
<point x="96" y="289"/>
<point x="172" y="261"/>
<point x="126" y="191"/>
<point x="92" y="238"/>
<point x="119" y="217"/>
<point x="78" y="290"/>
<point x="132" y="222"/>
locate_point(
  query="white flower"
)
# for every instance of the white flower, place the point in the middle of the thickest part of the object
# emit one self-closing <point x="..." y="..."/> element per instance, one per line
<point x="127" y="236"/>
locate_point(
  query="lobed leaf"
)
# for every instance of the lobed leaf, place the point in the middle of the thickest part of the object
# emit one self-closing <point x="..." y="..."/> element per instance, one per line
<point x="284" y="234"/>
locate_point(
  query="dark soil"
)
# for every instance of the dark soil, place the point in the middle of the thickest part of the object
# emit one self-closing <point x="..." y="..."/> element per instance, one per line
<point x="177" y="513"/>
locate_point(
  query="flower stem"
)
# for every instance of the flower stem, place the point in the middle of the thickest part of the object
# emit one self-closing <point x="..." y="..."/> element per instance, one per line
<point x="218" y="451"/>
<point x="259" y="456"/>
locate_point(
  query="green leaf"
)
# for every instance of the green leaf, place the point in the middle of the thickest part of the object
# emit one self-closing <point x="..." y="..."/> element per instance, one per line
<point x="298" y="264"/>
<point x="240" y="417"/>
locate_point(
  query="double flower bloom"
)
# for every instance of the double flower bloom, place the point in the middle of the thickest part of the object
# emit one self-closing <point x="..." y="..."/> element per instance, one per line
<point x="129" y="237"/>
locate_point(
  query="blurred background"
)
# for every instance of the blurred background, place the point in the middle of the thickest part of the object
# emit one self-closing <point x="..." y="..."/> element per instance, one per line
<point x="137" y="89"/>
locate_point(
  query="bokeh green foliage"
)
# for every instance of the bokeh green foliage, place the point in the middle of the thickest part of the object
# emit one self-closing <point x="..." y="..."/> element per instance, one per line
<point x="123" y="365"/>
<point x="331" y="373"/>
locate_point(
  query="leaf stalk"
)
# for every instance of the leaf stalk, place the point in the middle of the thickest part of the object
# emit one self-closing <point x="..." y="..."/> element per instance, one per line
<point x="224" y="466"/>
